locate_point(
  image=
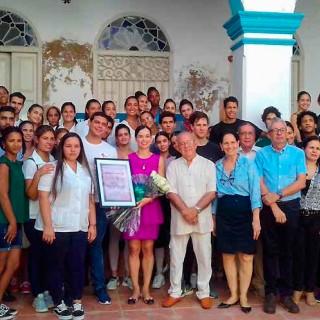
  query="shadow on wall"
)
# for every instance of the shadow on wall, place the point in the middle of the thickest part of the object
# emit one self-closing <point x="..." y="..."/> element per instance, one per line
<point x="67" y="72"/>
<point x="203" y="87"/>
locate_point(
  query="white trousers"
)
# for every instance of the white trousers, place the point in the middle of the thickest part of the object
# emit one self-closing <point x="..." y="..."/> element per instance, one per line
<point x="202" y="248"/>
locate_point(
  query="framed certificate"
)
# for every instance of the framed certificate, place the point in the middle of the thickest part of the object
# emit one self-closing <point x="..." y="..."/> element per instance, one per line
<point x="114" y="183"/>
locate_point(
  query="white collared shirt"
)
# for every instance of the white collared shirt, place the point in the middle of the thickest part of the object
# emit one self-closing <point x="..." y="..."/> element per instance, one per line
<point x="30" y="167"/>
<point x="82" y="128"/>
<point x="70" y="209"/>
<point x="191" y="183"/>
<point x="252" y="154"/>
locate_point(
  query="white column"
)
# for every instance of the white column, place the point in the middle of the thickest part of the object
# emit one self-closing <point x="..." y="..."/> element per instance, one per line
<point x="262" y="50"/>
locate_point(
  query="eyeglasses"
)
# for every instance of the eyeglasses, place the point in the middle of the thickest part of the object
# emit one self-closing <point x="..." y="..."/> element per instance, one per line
<point x="282" y="130"/>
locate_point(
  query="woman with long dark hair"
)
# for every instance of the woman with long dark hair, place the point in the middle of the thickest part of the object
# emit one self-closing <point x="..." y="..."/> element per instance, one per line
<point x="68" y="222"/>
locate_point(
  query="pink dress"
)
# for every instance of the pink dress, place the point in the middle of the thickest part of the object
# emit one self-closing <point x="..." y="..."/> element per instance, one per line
<point x="151" y="214"/>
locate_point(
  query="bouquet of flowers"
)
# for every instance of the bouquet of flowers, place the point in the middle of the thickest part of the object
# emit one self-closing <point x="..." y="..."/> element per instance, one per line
<point x="128" y="219"/>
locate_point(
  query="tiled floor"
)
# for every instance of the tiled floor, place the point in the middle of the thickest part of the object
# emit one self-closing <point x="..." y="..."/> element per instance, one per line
<point x="187" y="309"/>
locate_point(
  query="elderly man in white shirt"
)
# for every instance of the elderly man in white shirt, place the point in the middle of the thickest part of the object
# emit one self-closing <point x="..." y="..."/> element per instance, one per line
<point x="192" y="180"/>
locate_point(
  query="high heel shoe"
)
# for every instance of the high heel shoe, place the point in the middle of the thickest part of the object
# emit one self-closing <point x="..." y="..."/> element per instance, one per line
<point x="245" y="309"/>
<point x="223" y="305"/>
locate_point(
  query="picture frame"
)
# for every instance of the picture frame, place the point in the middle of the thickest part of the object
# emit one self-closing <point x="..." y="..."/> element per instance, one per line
<point x="114" y="182"/>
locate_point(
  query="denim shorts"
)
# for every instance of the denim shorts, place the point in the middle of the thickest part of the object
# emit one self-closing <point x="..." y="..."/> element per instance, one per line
<point x="16" y="242"/>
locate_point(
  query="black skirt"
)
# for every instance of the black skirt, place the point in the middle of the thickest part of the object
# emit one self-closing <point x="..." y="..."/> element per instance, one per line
<point x="234" y="225"/>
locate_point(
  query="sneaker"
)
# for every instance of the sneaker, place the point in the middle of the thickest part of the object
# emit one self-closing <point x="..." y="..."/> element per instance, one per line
<point x="5" y="313"/>
<point x="48" y="300"/>
<point x="62" y="311"/>
<point x="193" y="280"/>
<point x="78" y="312"/>
<point x="186" y="290"/>
<point x="103" y="297"/>
<point x="39" y="303"/>
<point x="158" y="281"/>
<point x="127" y="283"/>
<point x="113" y="283"/>
<point x="25" y="287"/>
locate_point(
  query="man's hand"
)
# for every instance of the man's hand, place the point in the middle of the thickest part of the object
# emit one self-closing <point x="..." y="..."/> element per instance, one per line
<point x="190" y="215"/>
<point x="279" y="215"/>
<point x="270" y="198"/>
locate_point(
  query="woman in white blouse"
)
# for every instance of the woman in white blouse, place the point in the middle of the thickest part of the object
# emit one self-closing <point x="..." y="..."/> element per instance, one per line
<point x="68" y="222"/>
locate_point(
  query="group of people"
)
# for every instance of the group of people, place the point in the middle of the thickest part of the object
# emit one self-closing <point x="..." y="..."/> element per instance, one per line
<point x="234" y="190"/>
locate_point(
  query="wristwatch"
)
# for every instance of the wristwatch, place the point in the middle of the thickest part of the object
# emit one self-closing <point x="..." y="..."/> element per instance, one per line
<point x="280" y="194"/>
<point x="198" y="209"/>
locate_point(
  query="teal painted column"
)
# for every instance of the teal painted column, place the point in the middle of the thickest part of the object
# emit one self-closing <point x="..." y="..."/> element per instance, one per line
<point x="262" y="49"/>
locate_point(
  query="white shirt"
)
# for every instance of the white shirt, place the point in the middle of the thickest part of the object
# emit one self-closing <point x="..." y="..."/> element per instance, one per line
<point x="70" y="210"/>
<point x="82" y="128"/>
<point x="29" y="168"/>
<point x="191" y="183"/>
<point x="73" y="128"/>
<point x="133" y="142"/>
<point x="252" y="154"/>
<point x="92" y="151"/>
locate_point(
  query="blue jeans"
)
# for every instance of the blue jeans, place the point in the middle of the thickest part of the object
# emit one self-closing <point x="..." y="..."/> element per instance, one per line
<point x="96" y="251"/>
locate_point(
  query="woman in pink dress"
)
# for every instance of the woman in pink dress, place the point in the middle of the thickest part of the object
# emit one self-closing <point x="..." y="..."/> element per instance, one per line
<point x="143" y="162"/>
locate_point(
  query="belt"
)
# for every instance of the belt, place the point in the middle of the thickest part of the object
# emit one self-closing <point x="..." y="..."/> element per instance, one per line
<point x="309" y="212"/>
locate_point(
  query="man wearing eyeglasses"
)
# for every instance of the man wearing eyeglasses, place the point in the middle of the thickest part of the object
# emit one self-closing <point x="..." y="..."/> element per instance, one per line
<point x="247" y="139"/>
<point x="282" y="169"/>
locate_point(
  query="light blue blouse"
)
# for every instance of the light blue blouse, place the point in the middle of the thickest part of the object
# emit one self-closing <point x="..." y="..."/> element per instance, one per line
<point x="243" y="180"/>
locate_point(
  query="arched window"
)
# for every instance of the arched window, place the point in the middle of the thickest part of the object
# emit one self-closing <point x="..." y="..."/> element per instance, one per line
<point x="20" y="62"/>
<point x="132" y="53"/>
<point x="15" y="31"/>
<point x="135" y="34"/>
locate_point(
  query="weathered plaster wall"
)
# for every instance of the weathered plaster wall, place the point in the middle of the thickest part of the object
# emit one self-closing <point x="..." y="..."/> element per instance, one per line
<point x="194" y="30"/>
<point x="67" y="72"/>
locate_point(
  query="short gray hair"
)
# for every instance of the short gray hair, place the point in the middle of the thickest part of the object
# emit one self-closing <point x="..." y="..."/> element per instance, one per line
<point x="276" y="120"/>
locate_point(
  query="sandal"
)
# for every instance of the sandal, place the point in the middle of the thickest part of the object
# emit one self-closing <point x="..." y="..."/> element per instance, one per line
<point x="133" y="300"/>
<point x="148" y="301"/>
